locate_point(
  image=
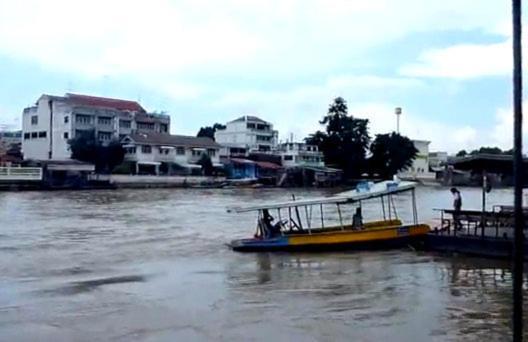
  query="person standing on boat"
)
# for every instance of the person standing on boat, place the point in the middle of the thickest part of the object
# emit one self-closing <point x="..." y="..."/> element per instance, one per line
<point x="457" y="207"/>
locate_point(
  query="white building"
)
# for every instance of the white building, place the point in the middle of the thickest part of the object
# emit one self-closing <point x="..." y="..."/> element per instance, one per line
<point x="437" y="159"/>
<point x="157" y="153"/>
<point x="53" y="120"/>
<point x="419" y="169"/>
<point x="246" y="134"/>
<point x="300" y="154"/>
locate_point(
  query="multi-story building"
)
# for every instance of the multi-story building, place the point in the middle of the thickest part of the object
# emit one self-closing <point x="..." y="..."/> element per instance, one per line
<point x="156" y="153"/>
<point x="53" y="120"/>
<point x="300" y="154"/>
<point x="8" y="138"/>
<point x="419" y="169"/>
<point x="245" y="135"/>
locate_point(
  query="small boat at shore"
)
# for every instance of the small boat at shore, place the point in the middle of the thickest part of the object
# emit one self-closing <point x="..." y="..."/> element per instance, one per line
<point x="310" y="224"/>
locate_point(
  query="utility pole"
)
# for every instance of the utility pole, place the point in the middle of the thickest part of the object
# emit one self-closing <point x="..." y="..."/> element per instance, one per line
<point x="398" y="112"/>
<point x="518" y="253"/>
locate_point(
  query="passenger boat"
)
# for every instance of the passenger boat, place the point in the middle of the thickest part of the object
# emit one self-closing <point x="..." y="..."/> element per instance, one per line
<point x="328" y="224"/>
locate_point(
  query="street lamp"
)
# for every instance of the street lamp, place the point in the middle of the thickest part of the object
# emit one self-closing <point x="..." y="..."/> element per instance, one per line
<point x="398" y="112"/>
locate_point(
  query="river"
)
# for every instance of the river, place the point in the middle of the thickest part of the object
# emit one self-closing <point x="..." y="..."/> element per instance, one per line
<point x="152" y="265"/>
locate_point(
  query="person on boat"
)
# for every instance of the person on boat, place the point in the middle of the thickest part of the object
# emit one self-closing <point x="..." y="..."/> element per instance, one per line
<point x="357" y="219"/>
<point x="457" y="207"/>
<point x="269" y="229"/>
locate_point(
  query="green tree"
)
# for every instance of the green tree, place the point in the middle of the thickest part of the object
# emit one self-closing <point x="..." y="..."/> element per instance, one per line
<point x="391" y="153"/>
<point x="87" y="148"/>
<point x="206" y="164"/>
<point x="345" y="140"/>
<point x="461" y="153"/>
<point x="209" y="131"/>
<point x="488" y="150"/>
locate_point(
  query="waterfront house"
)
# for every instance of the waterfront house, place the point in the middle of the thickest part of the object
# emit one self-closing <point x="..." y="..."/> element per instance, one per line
<point x="53" y="120"/>
<point x="158" y="153"/>
<point x="245" y="135"/>
<point x="264" y="171"/>
<point x="295" y="154"/>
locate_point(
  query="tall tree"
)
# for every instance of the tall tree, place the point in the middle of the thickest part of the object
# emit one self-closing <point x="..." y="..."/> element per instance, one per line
<point x="209" y="131"/>
<point x="87" y="148"/>
<point x="461" y="153"/>
<point x="345" y="140"/>
<point x="391" y="153"/>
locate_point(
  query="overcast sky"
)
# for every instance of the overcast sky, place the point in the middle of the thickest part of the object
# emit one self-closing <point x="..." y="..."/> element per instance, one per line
<point x="446" y="63"/>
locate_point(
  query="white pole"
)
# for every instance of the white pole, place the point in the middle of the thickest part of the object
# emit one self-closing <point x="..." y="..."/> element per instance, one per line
<point x="398" y="112"/>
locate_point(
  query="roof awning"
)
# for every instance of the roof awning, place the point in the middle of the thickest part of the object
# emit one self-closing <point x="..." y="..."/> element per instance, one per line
<point x="241" y="161"/>
<point x="268" y="165"/>
<point x="71" y="167"/>
<point x="191" y="166"/>
<point x="148" y="163"/>
<point x="168" y="147"/>
<point x="218" y="165"/>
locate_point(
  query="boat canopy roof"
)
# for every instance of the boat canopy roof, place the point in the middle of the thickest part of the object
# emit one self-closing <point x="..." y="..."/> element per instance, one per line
<point x="362" y="192"/>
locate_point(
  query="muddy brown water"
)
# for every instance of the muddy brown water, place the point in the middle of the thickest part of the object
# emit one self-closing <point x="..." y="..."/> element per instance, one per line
<point x="152" y="265"/>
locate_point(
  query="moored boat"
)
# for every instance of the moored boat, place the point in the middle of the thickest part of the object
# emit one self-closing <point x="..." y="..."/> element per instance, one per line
<point x="307" y="224"/>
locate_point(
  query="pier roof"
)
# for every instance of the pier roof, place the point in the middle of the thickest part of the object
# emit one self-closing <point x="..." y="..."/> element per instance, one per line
<point x="493" y="163"/>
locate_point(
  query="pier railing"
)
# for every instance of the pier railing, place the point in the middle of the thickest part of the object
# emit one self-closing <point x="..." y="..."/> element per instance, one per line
<point x="20" y="173"/>
<point x="488" y="224"/>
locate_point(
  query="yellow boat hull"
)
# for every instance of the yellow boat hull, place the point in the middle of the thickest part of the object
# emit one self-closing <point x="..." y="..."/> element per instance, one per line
<point x="373" y="236"/>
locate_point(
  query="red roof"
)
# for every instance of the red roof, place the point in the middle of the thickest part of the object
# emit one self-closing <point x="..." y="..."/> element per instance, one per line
<point x="105" y="102"/>
<point x="268" y="165"/>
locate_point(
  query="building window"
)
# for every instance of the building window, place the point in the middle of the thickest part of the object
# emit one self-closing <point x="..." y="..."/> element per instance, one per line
<point x="196" y="153"/>
<point x="34" y="135"/>
<point x="288" y="157"/>
<point x="42" y="134"/>
<point x="66" y="135"/>
<point x="104" y="135"/>
<point x="164" y="128"/>
<point x="130" y="150"/>
<point x="180" y="150"/>
<point x="34" y="120"/>
<point x="263" y="138"/>
<point x="83" y="119"/>
<point x="250" y="126"/>
<point x="211" y="152"/>
<point x="66" y="119"/>
<point x="26" y="136"/>
<point x="146" y="149"/>
<point x="104" y="120"/>
<point x="262" y="127"/>
<point x="125" y="123"/>
<point x="145" y="125"/>
<point x="163" y="150"/>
